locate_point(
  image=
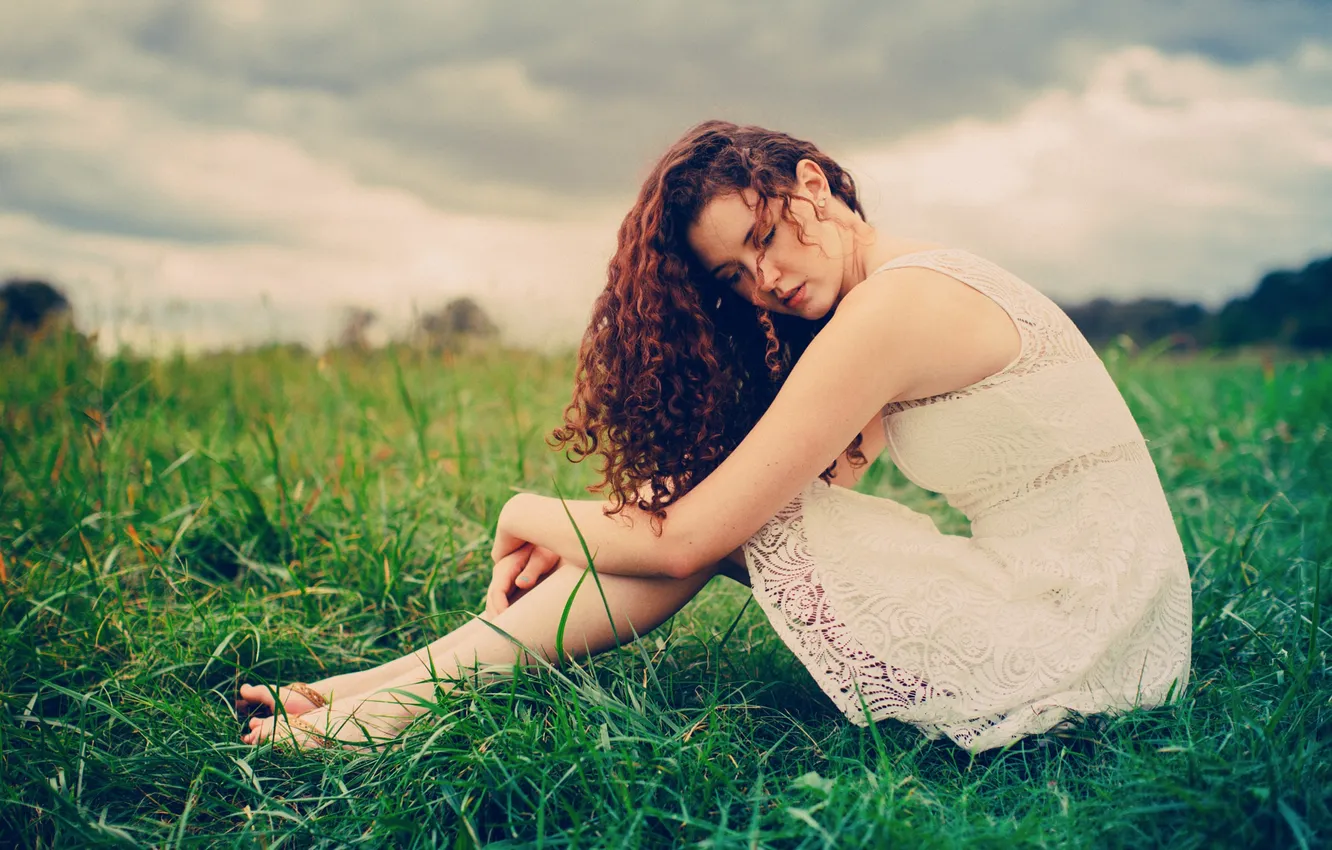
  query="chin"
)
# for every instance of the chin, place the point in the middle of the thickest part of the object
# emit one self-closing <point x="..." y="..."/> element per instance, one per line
<point x="823" y="309"/>
<point x="813" y="313"/>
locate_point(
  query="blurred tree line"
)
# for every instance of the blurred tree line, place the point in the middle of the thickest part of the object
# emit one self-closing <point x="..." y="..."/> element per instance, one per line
<point x="31" y="309"/>
<point x="1287" y="308"/>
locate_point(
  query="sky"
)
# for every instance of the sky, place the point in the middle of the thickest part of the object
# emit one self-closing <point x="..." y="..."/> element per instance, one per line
<point x="206" y="173"/>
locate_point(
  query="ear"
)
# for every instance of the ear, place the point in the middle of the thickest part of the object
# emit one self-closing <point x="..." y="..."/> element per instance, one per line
<point x="810" y="180"/>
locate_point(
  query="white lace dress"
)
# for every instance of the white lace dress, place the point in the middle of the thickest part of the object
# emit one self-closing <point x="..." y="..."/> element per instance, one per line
<point x="1072" y="592"/>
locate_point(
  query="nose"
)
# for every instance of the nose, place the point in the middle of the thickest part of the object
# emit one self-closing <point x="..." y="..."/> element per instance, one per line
<point x="768" y="274"/>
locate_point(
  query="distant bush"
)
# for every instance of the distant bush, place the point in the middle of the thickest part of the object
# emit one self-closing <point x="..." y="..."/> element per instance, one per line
<point x="458" y="325"/>
<point x="356" y="323"/>
<point x="30" y="309"/>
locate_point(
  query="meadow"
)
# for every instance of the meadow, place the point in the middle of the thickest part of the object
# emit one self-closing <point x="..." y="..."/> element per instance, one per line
<point x="170" y="528"/>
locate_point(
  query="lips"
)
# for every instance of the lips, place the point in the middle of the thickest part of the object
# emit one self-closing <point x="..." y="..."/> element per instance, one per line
<point x="795" y="297"/>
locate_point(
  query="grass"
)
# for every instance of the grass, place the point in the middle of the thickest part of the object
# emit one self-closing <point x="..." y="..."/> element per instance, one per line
<point x="169" y="528"/>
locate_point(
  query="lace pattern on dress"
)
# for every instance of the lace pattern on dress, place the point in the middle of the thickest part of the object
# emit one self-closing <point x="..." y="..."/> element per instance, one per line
<point x="1131" y="452"/>
<point x="787" y="586"/>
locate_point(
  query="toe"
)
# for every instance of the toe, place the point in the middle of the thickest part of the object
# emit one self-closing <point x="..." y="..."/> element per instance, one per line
<point x="261" y="732"/>
<point x="265" y="700"/>
<point x="256" y="733"/>
<point x="262" y="696"/>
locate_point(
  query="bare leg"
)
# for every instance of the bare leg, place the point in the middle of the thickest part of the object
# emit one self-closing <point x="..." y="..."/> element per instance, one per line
<point x="362" y="682"/>
<point x="637" y="604"/>
<point x="331" y="688"/>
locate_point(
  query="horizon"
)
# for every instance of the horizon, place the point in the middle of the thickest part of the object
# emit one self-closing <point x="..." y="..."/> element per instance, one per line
<point x="181" y="327"/>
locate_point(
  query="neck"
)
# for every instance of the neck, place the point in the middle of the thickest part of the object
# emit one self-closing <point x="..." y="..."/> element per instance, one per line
<point x="865" y="249"/>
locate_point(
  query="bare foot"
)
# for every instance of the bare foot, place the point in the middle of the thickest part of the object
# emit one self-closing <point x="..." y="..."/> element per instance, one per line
<point x="328" y="729"/>
<point x="262" y="701"/>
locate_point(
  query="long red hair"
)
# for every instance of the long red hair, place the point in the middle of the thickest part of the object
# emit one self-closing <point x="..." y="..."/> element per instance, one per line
<point x="674" y="368"/>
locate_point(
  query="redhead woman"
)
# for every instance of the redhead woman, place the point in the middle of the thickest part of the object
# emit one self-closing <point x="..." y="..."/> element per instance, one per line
<point x="756" y="343"/>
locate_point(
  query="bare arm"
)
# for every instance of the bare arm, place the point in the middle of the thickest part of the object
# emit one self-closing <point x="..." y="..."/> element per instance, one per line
<point x="872" y="443"/>
<point x="906" y="333"/>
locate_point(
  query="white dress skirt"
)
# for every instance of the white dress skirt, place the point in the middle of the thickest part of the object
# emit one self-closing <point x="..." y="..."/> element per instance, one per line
<point x="1070" y="595"/>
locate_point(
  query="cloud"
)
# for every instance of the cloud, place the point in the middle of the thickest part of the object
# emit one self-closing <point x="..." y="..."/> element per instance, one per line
<point x="307" y="236"/>
<point x="512" y="105"/>
<point x="62" y="157"/>
<point x="1162" y="175"/>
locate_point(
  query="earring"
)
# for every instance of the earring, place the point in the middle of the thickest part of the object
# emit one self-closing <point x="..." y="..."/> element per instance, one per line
<point x="823" y="202"/>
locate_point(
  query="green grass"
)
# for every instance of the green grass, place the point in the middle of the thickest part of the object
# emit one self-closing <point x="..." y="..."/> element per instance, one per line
<point x="170" y="528"/>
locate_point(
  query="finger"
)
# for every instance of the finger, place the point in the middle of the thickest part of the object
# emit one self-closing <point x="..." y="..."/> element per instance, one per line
<point x="505" y="544"/>
<point x="506" y="570"/>
<point x="496" y="600"/>
<point x="539" y="564"/>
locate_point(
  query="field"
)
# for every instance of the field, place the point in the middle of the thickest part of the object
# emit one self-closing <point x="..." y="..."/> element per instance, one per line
<point x="170" y="528"/>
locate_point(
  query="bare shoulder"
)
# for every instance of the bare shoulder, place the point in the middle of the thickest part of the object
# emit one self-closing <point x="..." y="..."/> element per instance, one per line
<point x="942" y="334"/>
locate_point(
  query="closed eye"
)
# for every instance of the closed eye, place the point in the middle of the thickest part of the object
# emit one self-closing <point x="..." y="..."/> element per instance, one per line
<point x="734" y="279"/>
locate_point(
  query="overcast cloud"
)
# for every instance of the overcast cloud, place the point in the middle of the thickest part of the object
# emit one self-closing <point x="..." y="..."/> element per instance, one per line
<point x="319" y="154"/>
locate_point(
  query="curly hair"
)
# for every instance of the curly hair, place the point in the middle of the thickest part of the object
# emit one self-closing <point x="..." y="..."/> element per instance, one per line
<point x="674" y="368"/>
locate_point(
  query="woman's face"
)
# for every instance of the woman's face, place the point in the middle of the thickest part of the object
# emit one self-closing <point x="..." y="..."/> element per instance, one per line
<point x="798" y="279"/>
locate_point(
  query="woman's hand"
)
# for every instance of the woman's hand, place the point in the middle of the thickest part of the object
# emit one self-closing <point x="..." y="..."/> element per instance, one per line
<point x="519" y="563"/>
<point x="519" y="571"/>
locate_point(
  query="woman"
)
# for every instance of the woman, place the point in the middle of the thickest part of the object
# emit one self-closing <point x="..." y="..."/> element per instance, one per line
<point x="756" y="341"/>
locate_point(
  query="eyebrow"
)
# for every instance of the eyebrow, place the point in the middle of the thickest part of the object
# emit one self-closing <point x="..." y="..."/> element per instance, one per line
<point x="749" y="234"/>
